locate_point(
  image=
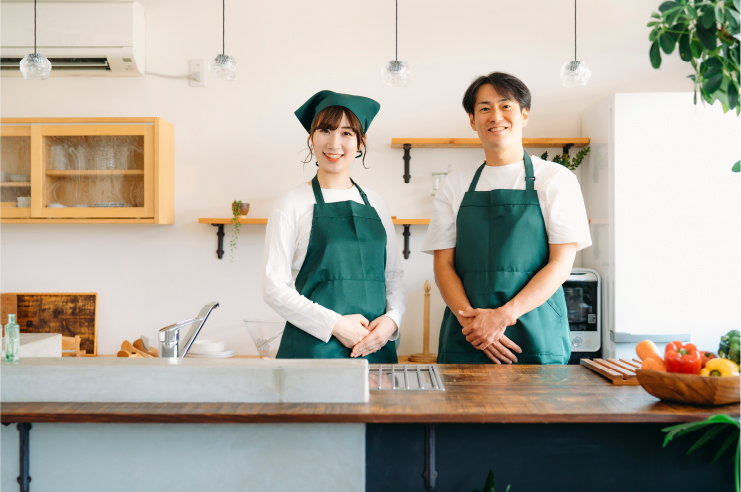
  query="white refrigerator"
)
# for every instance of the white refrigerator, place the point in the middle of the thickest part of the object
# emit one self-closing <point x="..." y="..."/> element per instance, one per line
<point x="665" y="219"/>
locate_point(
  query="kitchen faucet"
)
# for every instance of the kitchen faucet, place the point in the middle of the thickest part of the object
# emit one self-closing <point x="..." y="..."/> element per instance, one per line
<point x="169" y="336"/>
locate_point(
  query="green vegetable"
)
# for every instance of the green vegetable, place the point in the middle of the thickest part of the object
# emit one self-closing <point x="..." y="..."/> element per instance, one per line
<point x="730" y="344"/>
<point x="489" y="484"/>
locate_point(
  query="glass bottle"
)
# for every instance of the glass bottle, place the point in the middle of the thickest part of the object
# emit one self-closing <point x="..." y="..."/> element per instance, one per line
<point x="12" y="340"/>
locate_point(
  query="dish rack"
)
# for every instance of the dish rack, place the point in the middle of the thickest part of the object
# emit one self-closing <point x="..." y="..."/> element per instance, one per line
<point x="405" y="377"/>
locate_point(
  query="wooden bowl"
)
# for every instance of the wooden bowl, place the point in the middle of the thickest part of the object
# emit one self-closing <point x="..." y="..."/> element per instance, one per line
<point x="690" y="388"/>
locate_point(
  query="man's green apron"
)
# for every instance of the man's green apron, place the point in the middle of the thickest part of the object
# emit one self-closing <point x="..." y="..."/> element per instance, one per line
<point x="501" y="243"/>
<point x="345" y="271"/>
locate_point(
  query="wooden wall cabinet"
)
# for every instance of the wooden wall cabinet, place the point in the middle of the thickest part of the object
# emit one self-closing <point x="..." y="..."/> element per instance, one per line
<point x="87" y="170"/>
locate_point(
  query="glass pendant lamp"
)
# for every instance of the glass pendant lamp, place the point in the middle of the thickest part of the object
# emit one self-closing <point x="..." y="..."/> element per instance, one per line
<point x="223" y="66"/>
<point x="575" y="73"/>
<point x="396" y="73"/>
<point x="35" y="66"/>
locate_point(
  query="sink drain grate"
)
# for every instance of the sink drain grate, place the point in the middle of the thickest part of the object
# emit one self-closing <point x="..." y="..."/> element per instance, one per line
<point x="405" y="377"/>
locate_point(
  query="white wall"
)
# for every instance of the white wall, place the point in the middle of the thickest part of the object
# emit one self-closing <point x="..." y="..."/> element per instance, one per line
<point x="240" y="140"/>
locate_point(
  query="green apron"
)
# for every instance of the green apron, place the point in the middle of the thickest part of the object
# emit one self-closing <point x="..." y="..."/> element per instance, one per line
<point x="501" y="243"/>
<point x="345" y="271"/>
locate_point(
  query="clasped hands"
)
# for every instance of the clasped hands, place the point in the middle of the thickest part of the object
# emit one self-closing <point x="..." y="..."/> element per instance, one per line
<point x="355" y="332"/>
<point x="484" y="329"/>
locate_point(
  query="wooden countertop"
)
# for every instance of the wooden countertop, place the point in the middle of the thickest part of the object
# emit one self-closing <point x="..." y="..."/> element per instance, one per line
<point x="474" y="394"/>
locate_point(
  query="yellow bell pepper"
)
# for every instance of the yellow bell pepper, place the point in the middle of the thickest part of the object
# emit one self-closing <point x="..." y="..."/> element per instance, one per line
<point x="720" y="367"/>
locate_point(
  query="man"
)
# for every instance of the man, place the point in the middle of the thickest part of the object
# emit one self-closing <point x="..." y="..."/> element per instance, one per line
<point x="504" y="235"/>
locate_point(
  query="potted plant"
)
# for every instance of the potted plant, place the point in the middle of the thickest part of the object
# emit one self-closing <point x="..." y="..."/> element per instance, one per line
<point x="239" y="210"/>
<point x="707" y="34"/>
<point x="565" y="159"/>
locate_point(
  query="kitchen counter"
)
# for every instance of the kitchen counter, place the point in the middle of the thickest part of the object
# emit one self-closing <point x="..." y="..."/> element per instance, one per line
<point x="474" y="394"/>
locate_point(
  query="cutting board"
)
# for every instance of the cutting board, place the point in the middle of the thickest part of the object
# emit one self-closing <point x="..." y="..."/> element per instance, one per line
<point x="67" y="313"/>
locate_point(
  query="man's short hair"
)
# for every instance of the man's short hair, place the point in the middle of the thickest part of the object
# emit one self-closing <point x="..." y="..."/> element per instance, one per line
<point x="505" y="84"/>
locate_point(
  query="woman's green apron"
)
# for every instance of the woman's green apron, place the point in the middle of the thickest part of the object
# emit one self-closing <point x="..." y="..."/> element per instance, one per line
<point x="501" y="243"/>
<point x="345" y="271"/>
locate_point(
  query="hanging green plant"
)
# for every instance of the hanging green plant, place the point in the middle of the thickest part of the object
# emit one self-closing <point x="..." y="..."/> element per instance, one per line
<point x="565" y="159"/>
<point x="717" y="425"/>
<point x="707" y="34"/>
<point x="236" y="207"/>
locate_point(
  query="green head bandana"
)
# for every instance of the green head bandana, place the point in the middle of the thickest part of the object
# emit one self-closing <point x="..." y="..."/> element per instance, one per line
<point x="365" y="109"/>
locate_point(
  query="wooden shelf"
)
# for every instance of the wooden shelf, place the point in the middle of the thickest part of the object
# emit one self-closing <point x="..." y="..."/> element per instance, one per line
<point x="15" y="185"/>
<point x="67" y="173"/>
<point x="229" y="221"/>
<point x="76" y="221"/>
<point x="475" y="143"/>
<point x="410" y="221"/>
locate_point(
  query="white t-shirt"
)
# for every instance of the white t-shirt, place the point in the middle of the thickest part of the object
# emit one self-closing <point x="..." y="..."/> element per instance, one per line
<point x="558" y="190"/>
<point x="286" y="243"/>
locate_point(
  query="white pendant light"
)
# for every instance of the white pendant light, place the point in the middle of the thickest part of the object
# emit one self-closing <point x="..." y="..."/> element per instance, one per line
<point x="396" y="73"/>
<point x="223" y="66"/>
<point x="575" y="73"/>
<point x="35" y="66"/>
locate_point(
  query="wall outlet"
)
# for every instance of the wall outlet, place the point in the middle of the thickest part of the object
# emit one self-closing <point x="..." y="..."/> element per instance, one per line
<point x="198" y="69"/>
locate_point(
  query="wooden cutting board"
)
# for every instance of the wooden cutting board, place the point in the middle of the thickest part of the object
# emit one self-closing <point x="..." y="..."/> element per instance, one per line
<point x="67" y="313"/>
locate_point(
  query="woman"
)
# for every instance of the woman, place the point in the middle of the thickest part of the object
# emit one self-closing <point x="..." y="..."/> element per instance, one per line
<point x="331" y="265"/>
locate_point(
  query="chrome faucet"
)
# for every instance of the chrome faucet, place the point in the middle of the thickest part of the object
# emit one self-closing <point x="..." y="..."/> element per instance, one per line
<point x="169" y="336"/>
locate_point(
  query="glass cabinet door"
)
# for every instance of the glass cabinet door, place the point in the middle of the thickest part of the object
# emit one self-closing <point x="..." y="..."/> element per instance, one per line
<point x="15" y="171"/>
<point x="95" y="171"/>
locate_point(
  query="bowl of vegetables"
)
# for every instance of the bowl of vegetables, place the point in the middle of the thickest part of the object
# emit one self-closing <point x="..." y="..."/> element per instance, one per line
<point x="688" y="375"/>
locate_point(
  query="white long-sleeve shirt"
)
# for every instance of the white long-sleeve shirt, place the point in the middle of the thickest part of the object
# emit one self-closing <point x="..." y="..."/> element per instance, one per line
<point x="286" y="243"/>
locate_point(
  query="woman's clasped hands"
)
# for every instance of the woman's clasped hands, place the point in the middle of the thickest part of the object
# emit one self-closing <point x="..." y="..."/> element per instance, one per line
<point x="363" y="337"/>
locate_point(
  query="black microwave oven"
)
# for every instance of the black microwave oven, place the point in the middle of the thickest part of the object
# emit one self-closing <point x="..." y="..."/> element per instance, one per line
<point x="582" y="291"/>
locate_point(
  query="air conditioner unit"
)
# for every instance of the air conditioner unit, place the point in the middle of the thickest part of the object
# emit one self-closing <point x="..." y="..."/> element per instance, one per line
<point x="80" y="39"/>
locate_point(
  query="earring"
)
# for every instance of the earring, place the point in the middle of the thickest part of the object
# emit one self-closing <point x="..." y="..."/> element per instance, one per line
<point x="317" y="163"/>
<point x="359" y="154"/>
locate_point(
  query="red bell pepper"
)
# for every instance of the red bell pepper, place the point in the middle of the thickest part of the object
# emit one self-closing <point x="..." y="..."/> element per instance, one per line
<point x="706" y="356"/>
<point x="682" y="358"/>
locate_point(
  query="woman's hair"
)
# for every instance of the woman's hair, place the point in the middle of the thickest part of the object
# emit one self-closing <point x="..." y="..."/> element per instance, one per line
<point x="330" y="119"/>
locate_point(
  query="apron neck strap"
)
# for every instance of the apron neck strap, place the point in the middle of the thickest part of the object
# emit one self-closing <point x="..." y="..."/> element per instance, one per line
<point x="320" y="198"/>
<point x="529" y="174"/>
<point x="362" y="193"/>
<point x="475" y="180"/>
<point x="317" y="190"/>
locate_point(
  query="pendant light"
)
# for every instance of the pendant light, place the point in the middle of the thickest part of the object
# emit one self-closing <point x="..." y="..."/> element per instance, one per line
<point x="223" y="66"/>
<point x="396" y="73"/>
<point x="575" y="73"/>
<point x="35" y="66"/>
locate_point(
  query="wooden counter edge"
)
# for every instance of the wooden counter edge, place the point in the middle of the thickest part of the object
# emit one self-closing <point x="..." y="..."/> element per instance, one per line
<point x="9" y="415"/>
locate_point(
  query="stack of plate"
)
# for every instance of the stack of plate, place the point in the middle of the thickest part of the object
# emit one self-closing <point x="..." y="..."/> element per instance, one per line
<point x="209" y="349"/>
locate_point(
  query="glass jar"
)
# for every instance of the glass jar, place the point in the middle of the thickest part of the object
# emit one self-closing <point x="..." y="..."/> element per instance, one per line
<point x="12" y="340"/>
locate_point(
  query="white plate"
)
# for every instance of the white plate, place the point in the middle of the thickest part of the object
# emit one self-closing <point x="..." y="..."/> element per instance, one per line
<point x="212" y="355"/>
<point x="206" y="346"/>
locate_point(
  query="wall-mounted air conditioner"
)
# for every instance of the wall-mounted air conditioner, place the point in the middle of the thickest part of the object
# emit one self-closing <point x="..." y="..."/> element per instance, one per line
<point x="80" y="39"/>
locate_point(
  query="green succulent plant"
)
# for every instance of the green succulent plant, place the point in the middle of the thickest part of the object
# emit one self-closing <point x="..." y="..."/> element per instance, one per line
<point x="565" y="159"/>
<point x="236" y="204"/>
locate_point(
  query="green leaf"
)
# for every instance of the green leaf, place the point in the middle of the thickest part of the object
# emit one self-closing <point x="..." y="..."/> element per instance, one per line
<point x="736" y="167"/>
<point x="713" y="83"/>
<point x="685" y="51"/>
<point x="732" y="19"/>
<point x="676" y="29"/>
<point x="667" y="43"/>
<point x="655" y="55"/>
<point x="729" y="440"/>
<point x="654" y="34"/>
<point x="709" y="434"/>
<point x="668" y="5"/>
<point x="719" y="12"/>
<point x="711" y="72"/>
<point x="712" y="62"/>
<point x="652" y="23"/>
<point x="707" y="18"/>
<point x="707" y="36"/>
<point x="655" y="15"/>
<point x="733" y="95"/>
<point x="697" y="47"/>
<point x="737" y="4"/>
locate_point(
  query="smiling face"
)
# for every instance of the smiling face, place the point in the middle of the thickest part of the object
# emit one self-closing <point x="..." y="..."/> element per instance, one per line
<point x="497" y="119"/>
<point x="336" y="148"/>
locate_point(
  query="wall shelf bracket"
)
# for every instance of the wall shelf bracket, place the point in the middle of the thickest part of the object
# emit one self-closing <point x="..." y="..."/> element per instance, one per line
<point x="24" y="479"/>
<point x="406" y="235"/>
<point x="567" y="147"/>
<point x="407" y="158"/>
<point x="430" y="473"/>
<point x="220" y="237"/>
